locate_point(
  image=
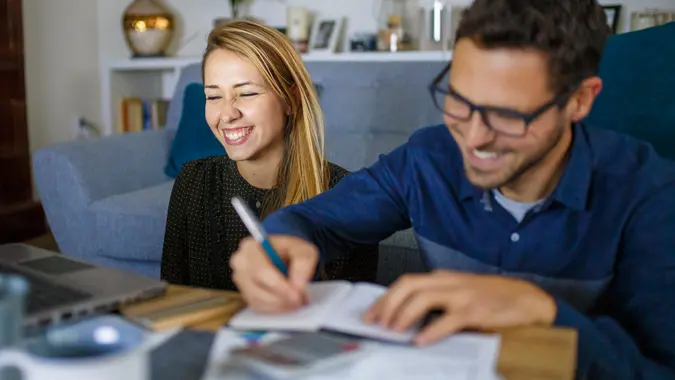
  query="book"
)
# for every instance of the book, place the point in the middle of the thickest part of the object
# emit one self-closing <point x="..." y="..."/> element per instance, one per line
<point x="335" y="306"/>
<point x="138" y="114"/>
<point x="184" y="306"/>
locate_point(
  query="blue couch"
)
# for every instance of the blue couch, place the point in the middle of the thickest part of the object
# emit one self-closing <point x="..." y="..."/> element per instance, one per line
<point x="106" y="199"/>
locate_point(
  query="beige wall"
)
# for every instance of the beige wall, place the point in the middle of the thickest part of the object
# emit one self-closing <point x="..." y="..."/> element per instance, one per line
<point x="61" y="66"/>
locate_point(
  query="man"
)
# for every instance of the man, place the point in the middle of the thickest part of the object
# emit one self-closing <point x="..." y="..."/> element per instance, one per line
<point x="524" y="215"/>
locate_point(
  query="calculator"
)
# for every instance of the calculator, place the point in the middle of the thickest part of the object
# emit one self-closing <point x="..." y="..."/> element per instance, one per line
<point x="300" y="354"/>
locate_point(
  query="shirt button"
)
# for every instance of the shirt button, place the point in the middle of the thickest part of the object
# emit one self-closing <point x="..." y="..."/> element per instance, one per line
<point x="515" y="237"/>
<point x="257" y="204"/>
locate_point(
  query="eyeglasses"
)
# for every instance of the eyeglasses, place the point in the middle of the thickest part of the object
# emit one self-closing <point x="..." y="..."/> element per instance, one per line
<point x="502" y="120"/>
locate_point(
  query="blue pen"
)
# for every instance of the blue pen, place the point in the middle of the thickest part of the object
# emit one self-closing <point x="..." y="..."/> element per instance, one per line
<point x="258" y="232"/>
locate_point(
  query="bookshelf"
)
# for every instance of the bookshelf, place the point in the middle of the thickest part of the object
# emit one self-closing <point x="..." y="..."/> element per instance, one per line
<point x="156" y="78"/>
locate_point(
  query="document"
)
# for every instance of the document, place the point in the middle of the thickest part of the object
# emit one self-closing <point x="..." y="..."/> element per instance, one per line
<point x="460" y="357"/>
<point x="334" y="305"/>
<point x="465" y="356"/>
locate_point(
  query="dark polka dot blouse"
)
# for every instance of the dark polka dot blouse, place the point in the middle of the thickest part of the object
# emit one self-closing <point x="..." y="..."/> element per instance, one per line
<point x="203" y="229"/>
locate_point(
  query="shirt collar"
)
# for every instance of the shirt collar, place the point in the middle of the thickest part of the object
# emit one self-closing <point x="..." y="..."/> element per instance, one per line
<point x="572" y="190"/>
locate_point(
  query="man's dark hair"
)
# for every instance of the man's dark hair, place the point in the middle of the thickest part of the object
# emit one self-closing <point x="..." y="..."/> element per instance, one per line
<point x="572" y="33"/>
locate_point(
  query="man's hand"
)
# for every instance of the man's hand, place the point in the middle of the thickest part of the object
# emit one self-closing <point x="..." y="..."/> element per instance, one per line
<point x="262" y="285"/>
<point x="467" y="301"/>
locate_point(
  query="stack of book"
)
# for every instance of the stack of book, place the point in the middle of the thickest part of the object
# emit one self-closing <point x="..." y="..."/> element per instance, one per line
<point x="138" y="114"/>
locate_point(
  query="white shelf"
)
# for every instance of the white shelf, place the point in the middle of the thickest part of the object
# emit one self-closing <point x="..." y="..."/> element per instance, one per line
<point x="156" y="64"/>
<point x="173" y="63"/>
<point x="157" y="77"/>
<point x="400" y="56"/>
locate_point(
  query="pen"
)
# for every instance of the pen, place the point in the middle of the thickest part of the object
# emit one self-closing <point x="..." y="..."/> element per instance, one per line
<point x="258" y="232"/>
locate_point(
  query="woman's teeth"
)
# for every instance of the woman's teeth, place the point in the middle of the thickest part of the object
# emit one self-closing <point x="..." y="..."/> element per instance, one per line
<point x="483" y="155"/>
<point x="237" y="134"/>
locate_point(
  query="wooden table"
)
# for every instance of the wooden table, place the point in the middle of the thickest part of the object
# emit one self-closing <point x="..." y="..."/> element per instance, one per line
<point x="526" y="353"/>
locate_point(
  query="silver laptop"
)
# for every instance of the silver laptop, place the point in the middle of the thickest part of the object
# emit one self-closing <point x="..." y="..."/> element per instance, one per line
<point x="62" y="288"/>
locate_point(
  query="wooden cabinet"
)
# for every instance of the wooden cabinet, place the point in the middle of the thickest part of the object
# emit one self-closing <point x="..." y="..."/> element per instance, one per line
<point x="21" y="217"/>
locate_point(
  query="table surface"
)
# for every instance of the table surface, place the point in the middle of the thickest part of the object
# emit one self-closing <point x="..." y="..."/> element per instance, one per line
<point x="526" y="353"/>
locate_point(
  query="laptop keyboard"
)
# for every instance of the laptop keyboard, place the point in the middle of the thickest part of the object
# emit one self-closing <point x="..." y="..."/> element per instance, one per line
<point x="45" y="295"/>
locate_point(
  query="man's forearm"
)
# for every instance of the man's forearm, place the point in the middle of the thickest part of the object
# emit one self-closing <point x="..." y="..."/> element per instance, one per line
<point x="292" y="221"/>
<point x="363" y="209"/>
<point x="606" y="351"/>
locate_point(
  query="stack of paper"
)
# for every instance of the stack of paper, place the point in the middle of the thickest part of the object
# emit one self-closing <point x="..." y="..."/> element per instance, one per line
<point x="464" y="356"/>
<point x="339" y="306"/>
<point x="461" y="357"/>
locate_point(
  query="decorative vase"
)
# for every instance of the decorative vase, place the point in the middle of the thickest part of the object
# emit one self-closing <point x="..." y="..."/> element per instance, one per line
<point x="148" y="28"/>
<point x="298" y="25"/>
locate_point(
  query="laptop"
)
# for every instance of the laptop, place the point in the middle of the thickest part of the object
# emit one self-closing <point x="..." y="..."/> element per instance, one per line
<point x="63" y="288"/>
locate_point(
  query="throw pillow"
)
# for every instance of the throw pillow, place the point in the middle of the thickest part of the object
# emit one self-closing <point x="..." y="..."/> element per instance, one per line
<point x="638" y="94"/>
<point x="194" y="139"/>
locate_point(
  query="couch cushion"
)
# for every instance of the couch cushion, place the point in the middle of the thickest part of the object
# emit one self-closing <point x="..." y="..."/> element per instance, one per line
<point x="131" y="225"/>
<point x="638" y="94"/>
<point x="372" y="108"/>
<point x="399" y="255"/>
<point x="189" y="74"/>
<point x="194" y="138"/>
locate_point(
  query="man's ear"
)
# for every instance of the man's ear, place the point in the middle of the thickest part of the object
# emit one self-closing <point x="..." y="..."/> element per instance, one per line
<point x="583" y="99"/>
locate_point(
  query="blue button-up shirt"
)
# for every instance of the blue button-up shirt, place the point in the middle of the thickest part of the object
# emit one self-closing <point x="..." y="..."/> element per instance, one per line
<point x="603" y="243"/>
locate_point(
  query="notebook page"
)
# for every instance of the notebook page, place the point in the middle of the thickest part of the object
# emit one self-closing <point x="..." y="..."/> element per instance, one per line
<point x="323" y="295"/>
<point x="347" y="315"/>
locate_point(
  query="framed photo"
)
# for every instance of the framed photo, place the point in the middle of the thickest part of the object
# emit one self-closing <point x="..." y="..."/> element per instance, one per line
<point x="325" y="35"/>
<point x="612" y="12"/>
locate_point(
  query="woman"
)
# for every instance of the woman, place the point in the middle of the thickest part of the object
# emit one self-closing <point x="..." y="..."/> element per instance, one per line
<point x="262" y="107"/>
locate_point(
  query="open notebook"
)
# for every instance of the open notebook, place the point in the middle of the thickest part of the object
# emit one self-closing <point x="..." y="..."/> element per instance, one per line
<point x="334" y="305"/>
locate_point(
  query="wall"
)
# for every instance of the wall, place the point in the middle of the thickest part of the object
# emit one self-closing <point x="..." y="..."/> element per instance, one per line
<point x="61" y="67"/>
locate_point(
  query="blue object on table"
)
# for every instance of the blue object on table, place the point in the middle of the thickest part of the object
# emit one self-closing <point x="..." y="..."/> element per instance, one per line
<point x="93" y="337"/>
<point x="253" y="336"/>
<point x="13" y="291"/>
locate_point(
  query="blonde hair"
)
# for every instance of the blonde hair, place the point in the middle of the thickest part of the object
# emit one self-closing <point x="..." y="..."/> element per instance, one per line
<point x="303" y="171"/>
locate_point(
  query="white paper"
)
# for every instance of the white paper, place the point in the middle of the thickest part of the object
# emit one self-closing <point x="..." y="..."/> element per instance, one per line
<point x="347" y="315"/>
<point x="323" y="296"/>
<point x="461" y="357"/>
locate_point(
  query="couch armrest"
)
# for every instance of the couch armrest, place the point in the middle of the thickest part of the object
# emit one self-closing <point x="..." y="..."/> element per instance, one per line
<point x="70" y="176"/>
<point x="90" y="170"/>
<point x="398" y="255"/>
<point x="395" y="260"/>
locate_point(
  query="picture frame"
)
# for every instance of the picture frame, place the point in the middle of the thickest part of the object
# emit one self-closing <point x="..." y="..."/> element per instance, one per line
<point x="612" y="13"/>
<point x="325" y="35"/>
